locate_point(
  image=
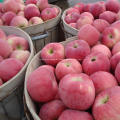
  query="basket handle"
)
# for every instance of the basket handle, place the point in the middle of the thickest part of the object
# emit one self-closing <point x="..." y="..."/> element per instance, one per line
<point x="40" y="36"/>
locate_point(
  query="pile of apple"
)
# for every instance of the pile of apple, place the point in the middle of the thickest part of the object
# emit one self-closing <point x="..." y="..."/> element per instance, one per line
<point x="14" y="52"/>
<point x="33" y="12"/>
<point x="100" y="14"/>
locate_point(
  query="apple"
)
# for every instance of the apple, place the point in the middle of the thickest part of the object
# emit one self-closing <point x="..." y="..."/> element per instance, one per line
<point x="10" y="36"/>
<point x="43" y="4"/>
<point x="35" y="21"/>
<point x="1" y="58"/>
<point x="5" y="48"/>
<point x="21" y="8"/>
<point x="115" y="59"/>
<point x="75" y="115"/>
<point x="1" y="7"/>
<point x="18" y="43"/>
<point x="53" y="53"/>
<point x="2" y="35"/>
<point x="108" y="16"/>
<point x="9" y="68"/>
<point x="100" y="24"/>
<point x="87" y="33"/>
<point x="117" y="72"/>
<point x="1" y="82"/>
<point x="20" y="1"/>
<point x="1" y="14"/>
<point x="48" y="13"/>
<point x="110" y="36"/>
<point x="103" y="80"/>
<point x="77" y="49"/>
<point x="79" y="6"/>
<point x="7" y="17"/>
<point x="83" y="20"/>
<point x="103" y="49"/>
<point x="31" y="2"/>
<point x="21" y="13"/>
<point x="72" y="17"/>
<point x="19" y="21"/>
<point x="94" y="62"/>
<point x="67" y="66"/>
<point x="56" y="10"/>
<point x="112" y="5"/>
<point x="73" y="25"/>
<point x="107" y="104"/>
<point x="1" y="22"/>
<point x="97" y="8"/>
<point x="77" y="91"/>
<point x="42" y="85"/>
<point x="118" y="16"/>
<point x="87" y="14"/>
<point x="116" y="48"/>
<point x="72" y="10"/>
<point x="87" y="7"/>
<point x="31" y="10"/>
<point x="51" y="110"/>
<point x="21" y="55"/>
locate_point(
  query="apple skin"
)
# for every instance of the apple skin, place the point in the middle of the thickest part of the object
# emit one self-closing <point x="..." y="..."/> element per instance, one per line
<point x="67" y="66"/>
<point x="78" y="88"/>
<point x="95" y="62"/>
<point x="97" y="8"/>
<point x="56" y="10"/>
<point x="31" y="2"/>
<point x="1" y="22"/>
<point x="7" y="17"/>
<point x="19" y="21"/>
<point x="48" y="13"/>
<point x="1" y="7"/>
<point x="87" y="32"/>
<point x="110" y="36"/>
<point x="35" y="21"/>
<point x="108" y="16"/>
<point x="43" y="4"/>
<point x="9" y="68"/>
<point x="103" y="80"/>
<point x="87" y="14"/>
<point x="42" y="76"/>
<point x="2" y="35"/>
<point x="77" y="49"/>
<point x="107" y="104"/>
<point x="83" y="20"/>
<point x="18" y="43"/>
<point x="117" y="72"/>
<point x="1" y="82"/>
<point x="1" y="58"/>
<point x="21" y="55"/>
<point x="100" y="24"/>
<point x="87" y="7"/>
<point x="118" y="16"/>
<point x="10" y="36"/>
<point x="72" y="10"/>
<point x="21" y="13"/>
<point x="79" y="6"/>
<point x="73" y="25"/>
<point x="5" y="48"/>
<point x="103" y="49"/>
<point x="51" y="110"/>
<point x="113" y="5"/>
<point x="75" y="115"/>
<point x="72" y="17"/>
<point x="31" y="10"/>
<point x="116" y="48"/>
<point x="53" y="53"/>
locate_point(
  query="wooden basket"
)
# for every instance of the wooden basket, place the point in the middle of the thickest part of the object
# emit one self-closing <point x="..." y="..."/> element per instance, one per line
<point x="10" y="98"/>
<point x="30" y="108"/>
<point x="68" y="31"/>
<point x="44" y="33"/>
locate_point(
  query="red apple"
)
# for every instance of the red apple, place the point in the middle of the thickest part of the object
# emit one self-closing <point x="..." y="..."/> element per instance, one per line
<point x="103" y="49"/>
<point x="75" y="115"/>
<point x="1" y="22"/>
<point x="31" y="10"/>
<point x="72" y="17"/>
<point x="1" y="82"/>
<point x="7" y="17"/>
<point x="2" y="35"/>
<point x="42" y="85"/>
<point x="20" y="1"/>
<point x="107" y="104"/>
<point x="79" y="6"/>
<point x="77" y="49"/>
<point x="73" y="25"/>
<point x="22" y="7"/>
<point x="94" y="62"/>
<point x="52" y="53"/>
<point x="87" y="7"/>
<point x="97" y="8"/>
<point x="1" y="7"/>
<point x="1" y="58"/>
<point x="48" y="14"/>
<point x="108" y="16"/>
<point x="67" y="66"/>
<point x="117" y="72"/>
<point x="56" y="10"/>
<point x="1" y="14"/>
<point x="87" y="33"/>
<point x="100" y="24"/>
<point x="72" y="10"/>
<point x="113" y="5"/>
<point x="103" y="80"/>
<point x="9" y="68"/>
<point x="31" y="2"/>
<point x="21" y="13"/>
<point x="21" y="55"/>
<point x="116" y="48"/>
<point x="51" y="110"/>
<point x="77" y="91"/>
<point x="43" y="4"/>
<point x="110" y="36"/>
<point x="35" y="21"/>
<point x="87" y="14"/>
<point x="18" y="43"/>
<point x="5" y="49"/>
<point x="19" y="21"/>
